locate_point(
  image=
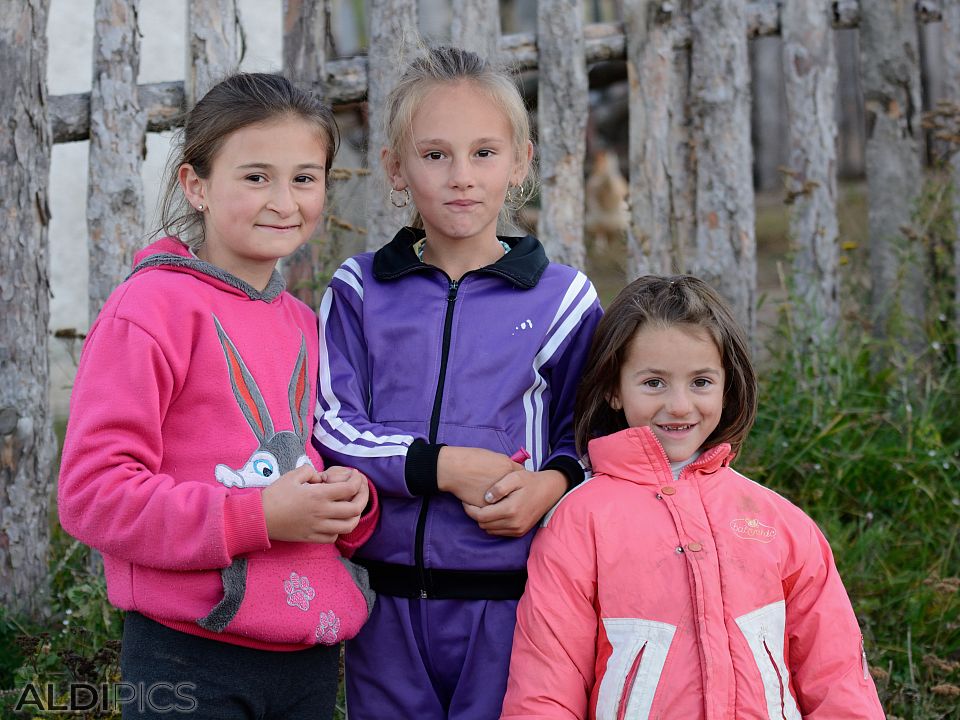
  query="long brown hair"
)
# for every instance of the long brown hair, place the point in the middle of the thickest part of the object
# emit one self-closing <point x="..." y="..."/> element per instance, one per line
<point x="665" y="301"/>
<point x="230" y="105"/>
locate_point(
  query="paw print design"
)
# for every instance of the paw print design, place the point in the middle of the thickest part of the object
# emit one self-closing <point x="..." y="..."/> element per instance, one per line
<point x="328" y="631"/>
<point x="299" y="592"/>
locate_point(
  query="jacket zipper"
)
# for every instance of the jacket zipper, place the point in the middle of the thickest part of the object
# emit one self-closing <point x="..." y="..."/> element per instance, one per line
<point x="783" y="712"/>
<point x="434" y="429"/>
<point x="628" y="684"/>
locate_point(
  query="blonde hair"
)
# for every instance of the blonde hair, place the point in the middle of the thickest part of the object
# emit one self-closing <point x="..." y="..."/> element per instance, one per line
<point x="446" y="64"/>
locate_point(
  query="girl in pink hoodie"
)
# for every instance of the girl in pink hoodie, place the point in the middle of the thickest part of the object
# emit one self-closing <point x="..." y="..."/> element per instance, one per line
<point x="187" y="460"/>
<point x="668" y="585"/>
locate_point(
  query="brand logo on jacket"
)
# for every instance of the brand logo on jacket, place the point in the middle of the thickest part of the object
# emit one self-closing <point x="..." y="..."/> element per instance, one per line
<point x="752" y="529"/>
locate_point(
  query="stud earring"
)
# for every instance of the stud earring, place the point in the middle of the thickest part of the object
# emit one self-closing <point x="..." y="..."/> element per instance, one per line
<point x="200" y="207"/>
<point x="406" y="198"/>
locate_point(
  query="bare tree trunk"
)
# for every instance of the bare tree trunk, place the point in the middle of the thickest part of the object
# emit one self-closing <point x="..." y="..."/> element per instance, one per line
<point x="304" y="63"/>
<point x="810" y="71"/>
<point x="562" y="113"/>
<point x="725" y="253"/>
<point x="951" y="81"/>
<point x="115" y="205"/>
<point x="661" y="212"/>
<point x="392" y="31"/>
<point x="215" y="45"/>
<point x="27" y="442"/>
<point x="476" y="27"/>
<point x="891" y="86"/>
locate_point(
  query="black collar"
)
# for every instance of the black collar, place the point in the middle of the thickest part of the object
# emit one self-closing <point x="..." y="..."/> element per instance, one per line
<point x="522" y="266"/>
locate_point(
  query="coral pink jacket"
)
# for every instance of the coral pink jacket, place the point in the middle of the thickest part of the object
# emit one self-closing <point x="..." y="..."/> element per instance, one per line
<point x="194" y="392"/>
<point x="707" y="597"/>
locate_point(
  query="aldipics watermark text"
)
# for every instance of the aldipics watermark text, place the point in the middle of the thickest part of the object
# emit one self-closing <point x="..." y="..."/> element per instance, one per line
<point x="160" y="697"/>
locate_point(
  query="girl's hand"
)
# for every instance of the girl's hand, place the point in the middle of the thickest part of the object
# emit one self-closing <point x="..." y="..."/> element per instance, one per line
<point x="518" y="501"/>
<point x="339" y="473"/>
<point x="469" y="473"/>
<point x="300" y="507"/>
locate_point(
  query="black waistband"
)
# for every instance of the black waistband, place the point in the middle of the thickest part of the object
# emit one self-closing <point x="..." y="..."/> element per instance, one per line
<point x="409" y="582"/>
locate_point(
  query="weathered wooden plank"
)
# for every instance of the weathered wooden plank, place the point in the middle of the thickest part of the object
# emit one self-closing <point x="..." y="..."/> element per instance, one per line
<point x="562" y="116"/>
<point x="951" y="75"/>
<point x="476" y="27"/>
<point x="661" y="211"/>
<point x="725" y="248"/>
<point x="214" y="45"/>
<point x="891" y="88"/>
<point x="304" y="42"/>
<point x="304" y="63"/>
<point x="810" y="76"/>
<point x="391" y="49"/>
<point x="115" y="203"/>
<point x="27" y="442"/>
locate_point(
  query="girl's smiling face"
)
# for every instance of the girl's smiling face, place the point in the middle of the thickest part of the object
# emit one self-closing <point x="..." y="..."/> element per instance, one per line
<point x="672" y="381"/>
<point x="457" y="163"/>
<point x="263" y="198"/>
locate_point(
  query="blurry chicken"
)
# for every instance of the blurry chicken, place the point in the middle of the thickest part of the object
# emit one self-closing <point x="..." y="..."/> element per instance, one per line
<point x="606" y="215"/>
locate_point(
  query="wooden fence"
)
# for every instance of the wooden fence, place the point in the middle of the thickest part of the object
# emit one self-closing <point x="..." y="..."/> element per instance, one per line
<point x="690" y="189"/>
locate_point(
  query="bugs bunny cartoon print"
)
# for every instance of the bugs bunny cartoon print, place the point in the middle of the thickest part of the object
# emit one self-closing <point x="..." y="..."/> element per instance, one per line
<point x="276" y="453"/>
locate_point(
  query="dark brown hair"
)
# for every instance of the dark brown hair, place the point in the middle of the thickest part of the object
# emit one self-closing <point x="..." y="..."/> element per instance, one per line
<point x="665" y="301"/>
<point x="230" y="105"/>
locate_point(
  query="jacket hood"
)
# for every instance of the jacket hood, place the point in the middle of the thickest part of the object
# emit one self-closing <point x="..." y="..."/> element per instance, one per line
<point x="522" y="266"/>
<point x="171" y="254"/>
<point x="636" y="455"/>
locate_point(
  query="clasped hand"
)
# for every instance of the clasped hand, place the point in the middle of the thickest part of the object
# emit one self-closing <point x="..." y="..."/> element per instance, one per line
<point x="304" y="505"/>
<point x="502" y="496"/>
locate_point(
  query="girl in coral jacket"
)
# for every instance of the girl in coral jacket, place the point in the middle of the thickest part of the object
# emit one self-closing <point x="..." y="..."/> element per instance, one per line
<point x="187" y="462"/>
<point x="668" y="585"/>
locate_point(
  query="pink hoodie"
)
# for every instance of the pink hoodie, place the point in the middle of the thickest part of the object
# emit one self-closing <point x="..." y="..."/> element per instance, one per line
<point x="706" y="597"/>
<point x="194" y="392"/>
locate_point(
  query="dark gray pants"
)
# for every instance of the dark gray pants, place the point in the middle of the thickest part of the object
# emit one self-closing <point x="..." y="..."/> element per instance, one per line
<point x="170" y="674"/>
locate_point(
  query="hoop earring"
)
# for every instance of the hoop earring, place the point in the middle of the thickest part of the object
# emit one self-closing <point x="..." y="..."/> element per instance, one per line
<point x="515" y="194"/>
<point x="406" y="198"/>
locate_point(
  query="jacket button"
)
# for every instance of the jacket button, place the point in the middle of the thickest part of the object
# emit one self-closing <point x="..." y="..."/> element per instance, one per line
<point x="668" y="490"/>
<point x="694" y="547"/>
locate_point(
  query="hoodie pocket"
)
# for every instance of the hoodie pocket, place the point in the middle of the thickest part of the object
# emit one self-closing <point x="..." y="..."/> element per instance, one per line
<point x="292" y="594"/>
<point x="764" y="630"/>
<point x="630" y="680"/>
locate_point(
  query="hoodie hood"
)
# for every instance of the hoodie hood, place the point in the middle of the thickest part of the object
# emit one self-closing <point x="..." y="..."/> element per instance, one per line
<point x="636" y="455"/>
<point x="171" y="254"/>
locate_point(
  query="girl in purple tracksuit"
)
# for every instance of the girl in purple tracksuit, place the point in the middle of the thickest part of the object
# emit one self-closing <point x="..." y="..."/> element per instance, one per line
<point x="442" y="354"/>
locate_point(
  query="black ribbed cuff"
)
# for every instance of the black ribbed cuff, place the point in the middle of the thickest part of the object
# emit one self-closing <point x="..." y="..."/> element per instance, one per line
<point x="420" y="472"/>
<point x="570" y="468"/>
